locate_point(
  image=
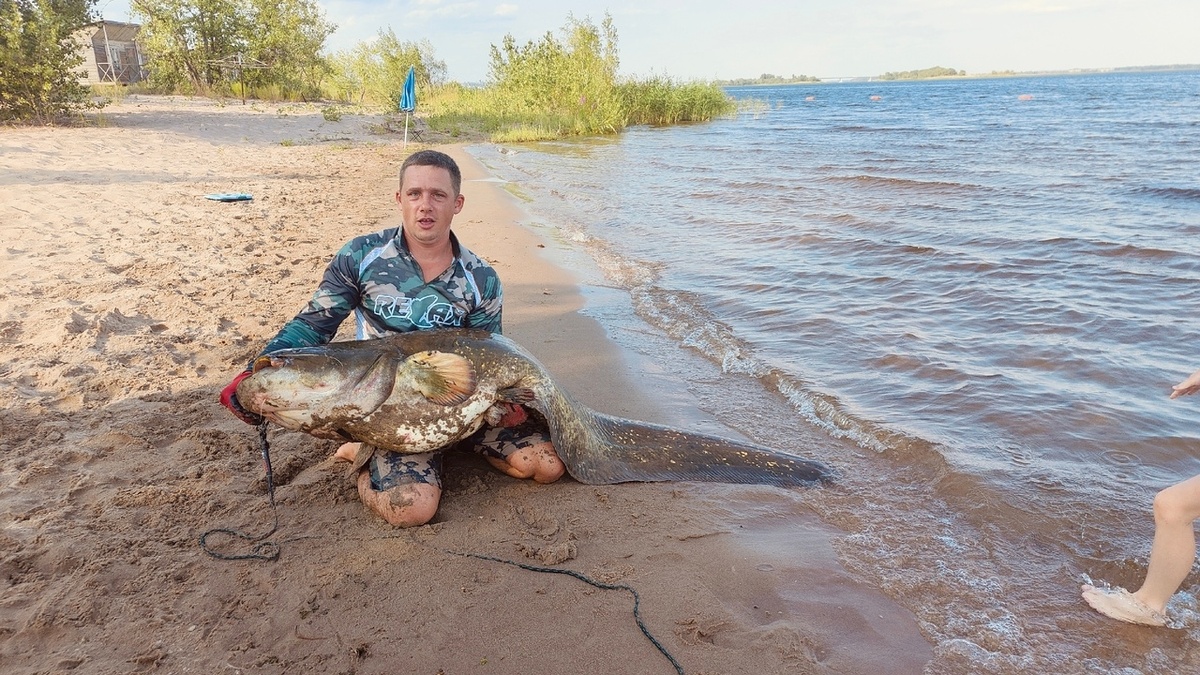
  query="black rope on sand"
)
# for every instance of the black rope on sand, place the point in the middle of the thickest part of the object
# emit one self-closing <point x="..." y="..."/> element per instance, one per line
<point x="262" y="550"/>
<point x="637" y="600"/>
<point x="269" y="550"/>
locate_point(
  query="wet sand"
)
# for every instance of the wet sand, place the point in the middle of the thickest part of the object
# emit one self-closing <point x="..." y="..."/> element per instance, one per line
<point x="129" y="300"/>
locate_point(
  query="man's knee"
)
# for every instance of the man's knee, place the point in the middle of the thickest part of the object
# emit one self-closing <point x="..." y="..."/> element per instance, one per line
<point x="406" y="505"/>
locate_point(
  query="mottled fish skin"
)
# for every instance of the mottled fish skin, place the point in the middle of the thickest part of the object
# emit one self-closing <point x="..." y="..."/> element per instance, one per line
<point x="364" y="391"/>
<point x="596" y="448"/>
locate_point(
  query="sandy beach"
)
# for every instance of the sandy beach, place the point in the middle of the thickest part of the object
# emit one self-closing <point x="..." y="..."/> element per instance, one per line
<point x="129" y="300"/>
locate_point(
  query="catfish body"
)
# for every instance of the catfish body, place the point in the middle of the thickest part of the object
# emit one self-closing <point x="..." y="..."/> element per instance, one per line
<point x="425" y="390"/>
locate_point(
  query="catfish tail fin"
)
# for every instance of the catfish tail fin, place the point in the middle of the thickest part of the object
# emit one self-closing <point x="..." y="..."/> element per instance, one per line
<point x="621" y="450"/>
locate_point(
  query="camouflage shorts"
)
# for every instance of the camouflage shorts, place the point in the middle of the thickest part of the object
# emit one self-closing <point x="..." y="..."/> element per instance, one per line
<point x="392" y="469"/>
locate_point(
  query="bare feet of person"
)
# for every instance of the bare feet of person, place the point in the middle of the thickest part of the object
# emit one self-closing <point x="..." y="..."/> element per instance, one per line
<point x="347" y="451"/>
<point x="538" y="462"/>
<point x="1118" y="603"/>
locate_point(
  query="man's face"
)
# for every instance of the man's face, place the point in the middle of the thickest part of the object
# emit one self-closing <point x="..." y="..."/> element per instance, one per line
<point x="428" y="204"/>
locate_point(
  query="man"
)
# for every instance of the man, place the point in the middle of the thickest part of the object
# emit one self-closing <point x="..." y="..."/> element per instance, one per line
<point x="1172" y="553"/>
<point x="415" y="277"/>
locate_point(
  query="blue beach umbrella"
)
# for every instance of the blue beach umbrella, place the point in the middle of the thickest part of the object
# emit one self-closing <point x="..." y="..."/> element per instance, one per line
<point x="408" y="98"/>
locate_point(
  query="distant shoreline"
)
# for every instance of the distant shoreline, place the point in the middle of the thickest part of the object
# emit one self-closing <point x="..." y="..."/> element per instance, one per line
<point x="970" y="76"/>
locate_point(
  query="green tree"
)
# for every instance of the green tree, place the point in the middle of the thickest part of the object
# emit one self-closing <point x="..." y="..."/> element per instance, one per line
<point x="192" y="44"/>
<point x="288" y="36"/>
<point x="183" y="40"/>
<point x="39" y="59"/>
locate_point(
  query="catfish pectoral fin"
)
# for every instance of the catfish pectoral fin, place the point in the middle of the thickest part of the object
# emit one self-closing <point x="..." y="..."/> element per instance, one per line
<point x="441" y="377"/>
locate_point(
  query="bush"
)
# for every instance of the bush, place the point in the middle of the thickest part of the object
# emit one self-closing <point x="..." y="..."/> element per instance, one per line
<point x="374" y="73"/>
<point x="567" y="87"/>
<point x="39" y="60"/>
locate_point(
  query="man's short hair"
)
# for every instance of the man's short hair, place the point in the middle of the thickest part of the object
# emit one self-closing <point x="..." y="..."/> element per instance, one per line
<point x="434" y="158"/>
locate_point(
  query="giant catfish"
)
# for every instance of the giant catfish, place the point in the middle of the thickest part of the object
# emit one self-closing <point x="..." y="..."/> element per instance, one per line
<point x="425" y="390"/>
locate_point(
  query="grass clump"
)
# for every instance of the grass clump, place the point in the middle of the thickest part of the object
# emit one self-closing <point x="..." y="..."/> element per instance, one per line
<point x="660" y="100"/>
<point x="569" y="87"/>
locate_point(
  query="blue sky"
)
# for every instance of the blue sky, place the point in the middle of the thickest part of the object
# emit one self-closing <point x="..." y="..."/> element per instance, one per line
<point x="719" y="39"/>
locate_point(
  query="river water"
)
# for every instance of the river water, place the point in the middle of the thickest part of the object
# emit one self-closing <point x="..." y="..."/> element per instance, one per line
<point x="983" y="290"/>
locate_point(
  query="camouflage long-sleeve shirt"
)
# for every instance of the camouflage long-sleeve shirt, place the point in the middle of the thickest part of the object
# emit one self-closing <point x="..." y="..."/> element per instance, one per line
<point x="375" y="277"/>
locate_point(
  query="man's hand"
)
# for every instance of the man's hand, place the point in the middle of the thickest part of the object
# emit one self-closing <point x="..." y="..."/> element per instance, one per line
<point x="229" y="400"/>
<point x="514" y="415"/>
<point x="1188" y="386"/>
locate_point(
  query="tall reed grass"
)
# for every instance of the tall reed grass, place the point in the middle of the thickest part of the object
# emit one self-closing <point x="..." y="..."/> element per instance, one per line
<point x="569" y="87"/>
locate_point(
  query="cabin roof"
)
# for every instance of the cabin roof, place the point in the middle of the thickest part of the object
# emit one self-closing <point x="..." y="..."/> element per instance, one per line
<point x="116" y="31"/>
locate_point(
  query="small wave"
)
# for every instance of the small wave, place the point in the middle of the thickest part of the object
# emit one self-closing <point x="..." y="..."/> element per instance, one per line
<point x="1107" y="249"/>
<point x="1115" y="250"/>
<point x="1178" y="193"/>
<point x="885" y="182"/>
<point x="750" y="186"/>
<point x="682" y="316"/>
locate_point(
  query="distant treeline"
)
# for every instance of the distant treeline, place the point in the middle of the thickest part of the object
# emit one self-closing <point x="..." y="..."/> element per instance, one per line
<point x="1155" y="69"/>
<point x="767" y="78"/>
<point x="1096" y="71"/>
<point x="926" y="73"/>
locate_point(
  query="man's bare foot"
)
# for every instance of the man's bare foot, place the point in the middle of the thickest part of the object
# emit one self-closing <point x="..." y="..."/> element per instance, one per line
<point x="347" y="451"/>
<point x="538" y="462"/>
<point x="1118" y="603"/>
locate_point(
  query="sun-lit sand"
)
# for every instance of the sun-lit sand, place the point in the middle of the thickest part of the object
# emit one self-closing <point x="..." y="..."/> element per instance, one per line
<point x="129" y="300"/>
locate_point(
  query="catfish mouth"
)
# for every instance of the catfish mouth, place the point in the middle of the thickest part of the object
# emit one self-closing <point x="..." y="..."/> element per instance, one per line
<point x="291" y="417"/>
<point x="290" y="410"/>
<point x="288" y="419"/>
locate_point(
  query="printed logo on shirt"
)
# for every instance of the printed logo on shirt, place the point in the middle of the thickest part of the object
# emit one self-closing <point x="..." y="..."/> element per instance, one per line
<point x="421" y="312"/>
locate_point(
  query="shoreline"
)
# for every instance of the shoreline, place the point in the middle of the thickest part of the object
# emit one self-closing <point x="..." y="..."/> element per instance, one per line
<point x="130" y="300"/>
<point x="543" y="302"/>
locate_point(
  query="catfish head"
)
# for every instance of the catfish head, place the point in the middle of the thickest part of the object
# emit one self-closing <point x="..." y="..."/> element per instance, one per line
<point x="319" y="390"/>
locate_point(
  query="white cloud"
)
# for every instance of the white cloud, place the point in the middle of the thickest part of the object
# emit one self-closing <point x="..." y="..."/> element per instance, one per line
<point x="505" y="10"/>
<point x="456" y="10"/>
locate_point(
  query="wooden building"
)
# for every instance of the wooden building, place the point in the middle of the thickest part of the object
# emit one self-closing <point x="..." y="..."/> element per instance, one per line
<point x="110" y="53"/>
